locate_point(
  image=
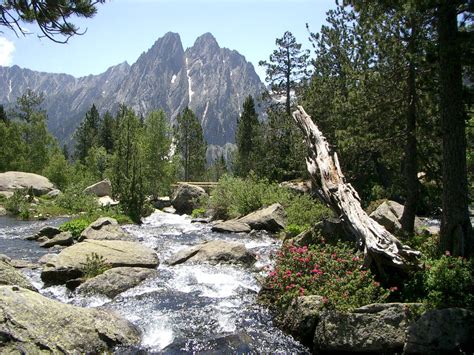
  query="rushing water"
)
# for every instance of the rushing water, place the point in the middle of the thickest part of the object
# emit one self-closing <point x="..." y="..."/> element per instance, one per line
<point x="186" y="308"/>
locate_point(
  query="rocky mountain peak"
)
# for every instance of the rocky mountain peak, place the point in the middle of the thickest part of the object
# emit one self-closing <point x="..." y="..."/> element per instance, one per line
<point x="206" y="42"/>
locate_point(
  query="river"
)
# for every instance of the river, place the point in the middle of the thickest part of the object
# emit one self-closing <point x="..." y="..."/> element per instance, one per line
<point x="186" y="308"/>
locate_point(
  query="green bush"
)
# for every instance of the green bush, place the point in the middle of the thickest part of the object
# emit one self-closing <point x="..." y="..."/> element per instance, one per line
<point x="95" y="265"/>
<point x="234" y="197"/>
<point x="449" y="282"/>
<point x="76" y="226"/>
<point x="18" y="204"/>
<point x="331" y="271"/>
<point x="198" y="212"/>
<point x="292" y="230"/>
<point x="75" y="201"/>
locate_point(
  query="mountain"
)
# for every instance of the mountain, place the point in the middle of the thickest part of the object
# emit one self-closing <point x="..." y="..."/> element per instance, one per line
<point x="211" y="80"/>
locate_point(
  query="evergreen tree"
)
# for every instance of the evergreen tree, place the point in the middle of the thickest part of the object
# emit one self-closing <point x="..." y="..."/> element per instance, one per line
<point x="191" y="145"/>
<point x="248" y="138"/>
<point x="87" y="134"/>
<point x="287" y="67"/>
<point x="28" y="104"/>
<point x="106" y="132"/>
<point x="217" y="169"/>
<point x="157" y="164"/>
<point x="3" y="114"/>
<point x="127" y="170"/>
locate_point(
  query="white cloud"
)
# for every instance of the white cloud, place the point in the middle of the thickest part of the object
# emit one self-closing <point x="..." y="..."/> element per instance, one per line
<point x="6" y="51"/>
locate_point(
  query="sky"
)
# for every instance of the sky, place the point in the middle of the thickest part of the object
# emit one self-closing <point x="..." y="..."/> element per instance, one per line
<point x="123" y="29"/>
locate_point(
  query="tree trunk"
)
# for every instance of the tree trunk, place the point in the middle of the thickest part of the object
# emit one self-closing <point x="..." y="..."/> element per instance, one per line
<point x="378" y="244"/>
<point x="456" y="233"/>
<point x="410" y="170"/>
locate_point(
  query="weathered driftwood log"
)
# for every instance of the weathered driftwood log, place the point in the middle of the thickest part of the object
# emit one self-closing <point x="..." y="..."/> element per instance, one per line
<point x="379" y="245"/>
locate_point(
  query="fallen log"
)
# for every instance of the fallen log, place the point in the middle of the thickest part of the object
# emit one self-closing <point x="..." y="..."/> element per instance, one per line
<point x="379" y="245"/>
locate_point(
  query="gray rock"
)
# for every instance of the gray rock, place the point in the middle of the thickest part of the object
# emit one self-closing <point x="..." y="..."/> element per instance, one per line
<point x="376" y="328"/>
<point x="62" y="239"/>
<point x="329" y="228"/>
<point x="115" y="281"/>
<point x="162" y="202"/>
<point x="231" y="226"/>
<point x="47" y="259"/>
<point x="10" y="276"/>
<point x="389" y="213"/>
<point x="186" y="198"/>
<point x="171" y="210"/>
<point x="105" y="201"/>
<point x="215" y="252"/>
<point x="11" y="181"/>
<point x="105" y="228"/>
<point x="301" y="318"/>
<point x="3" y="211"/>
<point x="442" y="331"/>
<point x="33" y="324"/>
<point x="48" y="232"/>
<point x="53" y="193"/>
<point x="68" y="264"/>
<point x="271" y="218"/>
<point x="100" y="189"/>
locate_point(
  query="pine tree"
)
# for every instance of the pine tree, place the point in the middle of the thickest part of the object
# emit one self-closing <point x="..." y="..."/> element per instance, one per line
<point x="86" y="135"/>
<point x="127" y="167"/>
<point x="106" y="132"/>
<point x="287" y="67"/>
<point x="191" y="145"/>
<point x="156" y="145"/>
<point x="248" y="138"/>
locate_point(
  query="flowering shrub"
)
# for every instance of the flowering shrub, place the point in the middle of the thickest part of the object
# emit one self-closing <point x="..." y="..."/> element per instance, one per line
<point x="333" y="272"/>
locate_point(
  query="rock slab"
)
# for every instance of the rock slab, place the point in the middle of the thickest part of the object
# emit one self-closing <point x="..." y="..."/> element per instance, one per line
<point x="11" y="181"/>
<point x="271" y="218"/>
<point x="33" y="324"/>
<point x="68" y="264"/>
<point x="115" y="281"/>
<point x="10" y="276"/>
<point x="215" y="252"/>
<point x="389" y="213"/>
<point x="105" y="228"/>
<point x="100" y="189"/>
<point x="231" y="226"/>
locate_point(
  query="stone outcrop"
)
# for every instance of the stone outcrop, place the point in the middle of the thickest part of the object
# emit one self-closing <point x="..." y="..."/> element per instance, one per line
<point x="442" y="331"/>
<point x="115" y="281"/>
<point x="231" y="226"/>
<point x="100" y="189"/>
<point x="186" y="198"/>
<point x="11" y="181"/>
<point x="377" y="328"/>
<point x="105" y="228"/>
<point x="271" y="218"/>
<point x="389" y="213"/>
<point x="69" y="263"/>
<point x="10" y="276"/>
<point x="61" y="239"/>
<point x="33" y="324"/>
<point x="215" y="252"/>
<point x="301" y="318"/>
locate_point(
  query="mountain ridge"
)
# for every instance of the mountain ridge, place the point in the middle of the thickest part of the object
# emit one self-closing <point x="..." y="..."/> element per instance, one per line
<point x="211" y="80"/>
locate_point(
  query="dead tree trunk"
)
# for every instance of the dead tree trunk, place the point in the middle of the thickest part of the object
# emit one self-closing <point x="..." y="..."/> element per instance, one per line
<point x="379" y="245"/>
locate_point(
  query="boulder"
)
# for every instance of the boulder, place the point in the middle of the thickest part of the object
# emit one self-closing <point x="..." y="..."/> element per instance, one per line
<point x="115" y="281"/>
<point x="10" y="276"/>
<point x="61" y="239"/>
<point x="33" y="324"/>
<point x="105" y="228"/>
<point x="378" y="328"/>
<point x="301" y="318"/>
<point x="442" y="331"/>
<point x="389" y="213"/>
<point x="3" y="211"/>
<point x="11" y="181"/>
<point x="162" y="202"/>
<point x="331" y="229"/>
<point x="215" y="252"/>
<point x="53" y="193"/>
<point x="69" y="263"/>
<point x="231" y="226"/>
<point x="100" y="189"/>
<point x="271" y="218"/>
<point x="105" y="201"/>
<point x="186" y="198"/>
<point x="44" y="233"/>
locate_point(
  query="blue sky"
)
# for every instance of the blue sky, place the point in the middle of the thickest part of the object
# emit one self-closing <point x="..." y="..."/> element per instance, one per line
<point x="123" y="29"/>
